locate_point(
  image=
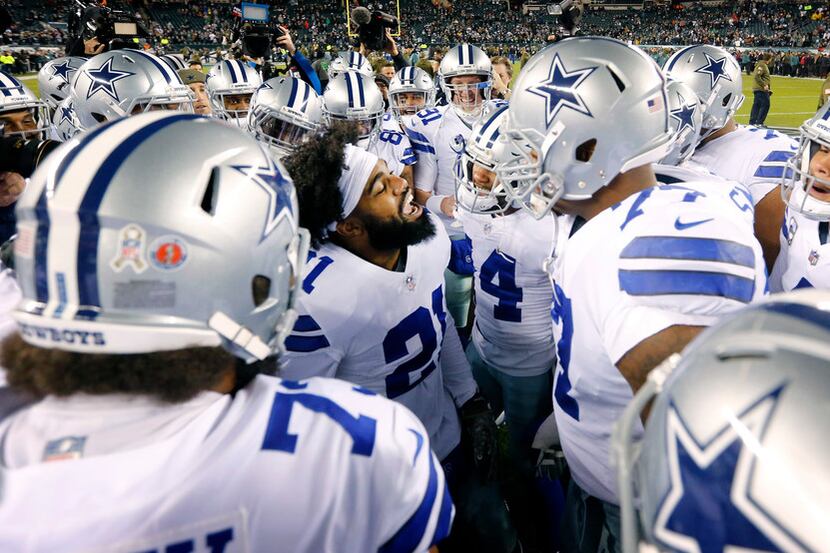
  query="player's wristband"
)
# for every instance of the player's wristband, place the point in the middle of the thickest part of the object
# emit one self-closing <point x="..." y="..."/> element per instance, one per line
<point x="433" y="204"/>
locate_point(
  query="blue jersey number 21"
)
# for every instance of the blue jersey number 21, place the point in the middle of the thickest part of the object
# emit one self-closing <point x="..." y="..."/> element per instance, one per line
<point x="418" y="324"/>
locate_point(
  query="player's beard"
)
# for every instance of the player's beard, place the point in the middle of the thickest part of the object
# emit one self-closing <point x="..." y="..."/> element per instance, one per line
<point x="398" y="233"/>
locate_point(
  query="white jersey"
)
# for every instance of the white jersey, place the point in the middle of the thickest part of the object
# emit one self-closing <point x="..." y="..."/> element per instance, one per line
<point x="392" y="146"/>
<point x="670" y="255"/>
<point x="804" y="260"/>
<point x="752" y="156"/>
<point x="512" y="330"/>
<point x="387" y="331"/>
<point x="317" y="466"/>
<point x="10" y="296"/>
<point x="438" y="136"/>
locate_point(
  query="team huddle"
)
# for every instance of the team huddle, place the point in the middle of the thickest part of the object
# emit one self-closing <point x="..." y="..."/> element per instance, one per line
<point x="251" y="315"/>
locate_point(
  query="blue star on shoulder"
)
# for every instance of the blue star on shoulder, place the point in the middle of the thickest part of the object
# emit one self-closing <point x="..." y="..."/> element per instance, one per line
<point x="684" y="116"/>
<point x="62" y="71"/>
<point x="715" y="69"/>
<point x="104" y="78"/>
<point x="278" y="189"/>
<point x="560" y="89"/>
<point x="708" y="504"/>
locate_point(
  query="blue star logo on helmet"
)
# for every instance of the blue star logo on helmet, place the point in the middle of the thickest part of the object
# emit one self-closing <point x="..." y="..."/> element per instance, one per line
<point x="560" y="89"/>
<point x="710" y="504"/>
<point x="66" y="113"/>
<point x="278" y="189"/>
<point x="63" y="71"/>
<point x="104" y="78"/>
<point x="684" y="115"/>
<point x="715" y="69"/>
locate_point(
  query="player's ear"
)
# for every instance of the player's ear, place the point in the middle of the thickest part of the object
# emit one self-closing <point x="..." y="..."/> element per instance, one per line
<point x="350" y="227"/>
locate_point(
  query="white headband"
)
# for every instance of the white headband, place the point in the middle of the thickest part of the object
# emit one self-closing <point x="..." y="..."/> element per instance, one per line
<point x="358" y="165"/>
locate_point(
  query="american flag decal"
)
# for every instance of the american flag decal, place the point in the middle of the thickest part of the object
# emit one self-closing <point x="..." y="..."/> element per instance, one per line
<point x="655" y="104"/>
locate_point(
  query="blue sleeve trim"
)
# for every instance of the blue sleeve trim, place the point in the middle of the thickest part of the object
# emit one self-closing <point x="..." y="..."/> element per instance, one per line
<point x="407" y="538"/>
<point x="690" y="248"/>
<point x="693" y="283"/>
<point x="305" y="344"/>
<point x="307" y="73"/>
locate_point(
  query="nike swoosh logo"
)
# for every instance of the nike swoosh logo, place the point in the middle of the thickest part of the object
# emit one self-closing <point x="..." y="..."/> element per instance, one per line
<point x="683" y="226"/>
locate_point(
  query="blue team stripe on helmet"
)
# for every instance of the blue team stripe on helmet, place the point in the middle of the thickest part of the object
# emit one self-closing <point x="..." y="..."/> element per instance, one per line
<point x="693" y="283"/>
<point x="349" y="89"/>
<point x="232" y="70"/>
<point x="41" y="268"/>
<point x="678" y="55"/>
<point x="408" y="536"/>
<point x="689" y="248"/>
<point x="10" y="85"/>
<point x="242" y="70"/>
<point x="293" y="95"/>
<point x="87" y="261"/>
<point x="470" y="54"/>
<point x="360" y="91"/>
<point x="169" y="74"/>
<point x="489" y="132"/>
<point x="460" y="54"/>
<point x="306" y="93"/>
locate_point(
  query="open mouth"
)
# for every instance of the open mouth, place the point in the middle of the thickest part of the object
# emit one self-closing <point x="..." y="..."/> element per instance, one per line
<point x="409" y="208"/>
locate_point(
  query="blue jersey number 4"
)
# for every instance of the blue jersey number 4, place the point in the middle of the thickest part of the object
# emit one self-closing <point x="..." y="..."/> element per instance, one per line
<point x="498" y="278"/>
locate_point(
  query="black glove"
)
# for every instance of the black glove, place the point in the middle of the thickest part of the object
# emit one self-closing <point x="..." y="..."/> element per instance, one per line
<point x="479" y="431"/>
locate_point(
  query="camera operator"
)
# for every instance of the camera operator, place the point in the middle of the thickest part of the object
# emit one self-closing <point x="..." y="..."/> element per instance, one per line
<point x="303" y="67"/>
<point x="94" y="28"/>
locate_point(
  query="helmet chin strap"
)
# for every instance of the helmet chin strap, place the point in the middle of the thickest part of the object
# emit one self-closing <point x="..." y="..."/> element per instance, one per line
<point x="239" y="335"/>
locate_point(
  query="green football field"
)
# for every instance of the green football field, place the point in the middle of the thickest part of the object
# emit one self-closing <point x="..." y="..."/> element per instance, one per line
<point x="793" y="100"/>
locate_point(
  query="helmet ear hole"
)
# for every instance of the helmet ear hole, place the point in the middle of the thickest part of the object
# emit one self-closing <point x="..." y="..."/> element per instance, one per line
<point x="726" y="100"/>
<point x="208" y="203"/>
<point x="585" y="151"/>
<point x="260" y="289"/>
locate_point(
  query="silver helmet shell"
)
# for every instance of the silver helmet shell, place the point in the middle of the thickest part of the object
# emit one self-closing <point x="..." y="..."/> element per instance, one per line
<point x="350" y="61"/>
<point x="125" y="82"/>
<point x="16" y="97"/>
<point x="685" y="119"/>
<point x="799" y="186"/>
<point x="54" y="80"/>
<point x="477" y="186"/>
<point x="159" y="232"/>
<point x="231" y="78"/>
<point x="64" y="121"/>
<point x="175" y="61"/>
<point x="715" y="76"/>
<point x="407" y="82"/>
<point x="467" y="100"/>
<point x="732" y="457"/>
<point x="353" y="96"/>
<point x="285" y="111"/>
<point x="583" y="110"/>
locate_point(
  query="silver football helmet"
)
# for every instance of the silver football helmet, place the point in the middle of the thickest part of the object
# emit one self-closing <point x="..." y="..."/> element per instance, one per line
<point x="350" y="61"/>
<point x="121" y="250"/>
<point x="175" y="61"/>
<point x="230" y="85"/>
<point x="410" y="91"/>
<point x="352" y="96"/>
<point x="583" y="110"/>
<point x="17" y="101"/>
<point x="734" y="452"/>
<point x="477" y="186"/>
<point x="685" y="117"/>
<point x="125" y="82"/>
<point x="284" y="112"/>
<point x="715" y="76"/>
<point x="467" y="99"/>
<point x="54" y="80"/>
<point x="804" y="190"/>
<point x="64" y="121"/>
